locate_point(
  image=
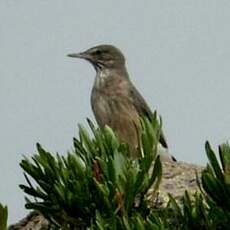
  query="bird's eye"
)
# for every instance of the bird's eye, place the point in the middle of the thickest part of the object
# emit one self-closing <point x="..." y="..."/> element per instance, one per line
<point x="98" y="52"/>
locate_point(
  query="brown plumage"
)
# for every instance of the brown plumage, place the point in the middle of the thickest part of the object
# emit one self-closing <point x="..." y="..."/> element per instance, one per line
<point x="114" y="99"/>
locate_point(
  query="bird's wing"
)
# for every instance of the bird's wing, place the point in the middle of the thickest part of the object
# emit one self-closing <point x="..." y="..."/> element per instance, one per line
<point x="144" y="110"/>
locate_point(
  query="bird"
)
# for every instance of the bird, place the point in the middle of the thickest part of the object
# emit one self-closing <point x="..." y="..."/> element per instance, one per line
<point x="115" y="100"/>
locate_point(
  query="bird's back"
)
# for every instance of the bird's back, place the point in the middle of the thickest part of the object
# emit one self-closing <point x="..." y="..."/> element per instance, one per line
<point x="112" y="106"/>
<point x="117" y="103"/>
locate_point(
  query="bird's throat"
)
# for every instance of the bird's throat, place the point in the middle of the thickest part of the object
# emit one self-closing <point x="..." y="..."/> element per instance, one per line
<point x="102" y="77"/>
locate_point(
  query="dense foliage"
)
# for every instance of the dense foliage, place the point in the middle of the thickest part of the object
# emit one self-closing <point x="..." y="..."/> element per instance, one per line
<point x="97" y="186"/>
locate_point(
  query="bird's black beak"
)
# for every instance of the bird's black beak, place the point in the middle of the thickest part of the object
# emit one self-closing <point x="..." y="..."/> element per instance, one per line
<point x="79" y="55"/>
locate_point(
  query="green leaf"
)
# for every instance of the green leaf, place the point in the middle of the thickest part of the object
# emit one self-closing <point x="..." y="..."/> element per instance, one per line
<point x="3" y="217"/>
<point x="224" y="152"/>
<point x="213" y="161"/>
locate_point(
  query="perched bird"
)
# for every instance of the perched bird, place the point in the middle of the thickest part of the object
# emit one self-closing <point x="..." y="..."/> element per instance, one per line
<point x="114" y="99"/>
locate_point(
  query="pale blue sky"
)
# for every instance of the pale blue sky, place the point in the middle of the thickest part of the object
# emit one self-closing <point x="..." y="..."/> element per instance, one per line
<point x="178" y="56"/>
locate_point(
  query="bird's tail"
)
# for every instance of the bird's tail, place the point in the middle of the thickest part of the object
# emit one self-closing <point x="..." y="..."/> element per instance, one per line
<point x="165" y="154"/>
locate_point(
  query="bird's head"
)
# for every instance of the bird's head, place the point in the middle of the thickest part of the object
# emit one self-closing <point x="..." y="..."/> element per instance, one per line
<point x="102" y="56"/>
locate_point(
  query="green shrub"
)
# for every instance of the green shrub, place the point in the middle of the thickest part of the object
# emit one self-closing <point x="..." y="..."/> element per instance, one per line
<point x="97" y="186"/>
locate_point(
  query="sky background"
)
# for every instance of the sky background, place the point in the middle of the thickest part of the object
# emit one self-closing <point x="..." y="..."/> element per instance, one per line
<point x="178" y="56"/>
